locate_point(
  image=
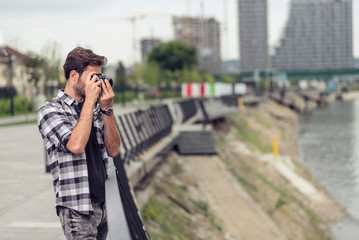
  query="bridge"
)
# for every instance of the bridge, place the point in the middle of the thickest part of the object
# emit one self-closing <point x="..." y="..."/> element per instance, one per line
<point x="291" y="74"/>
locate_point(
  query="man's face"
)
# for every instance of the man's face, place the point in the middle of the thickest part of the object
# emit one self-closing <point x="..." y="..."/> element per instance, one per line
<point x="85" y="76"/>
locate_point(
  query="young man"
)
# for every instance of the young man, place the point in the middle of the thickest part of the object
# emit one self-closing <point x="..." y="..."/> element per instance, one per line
<point x="79" y="131"/>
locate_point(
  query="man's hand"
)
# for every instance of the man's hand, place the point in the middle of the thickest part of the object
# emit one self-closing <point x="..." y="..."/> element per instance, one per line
<point x="112" y="136"/>
<point x="107" y="95"/>
<point x="92" y="88"/>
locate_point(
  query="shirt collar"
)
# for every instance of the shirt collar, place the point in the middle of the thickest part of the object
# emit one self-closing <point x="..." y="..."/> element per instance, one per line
<point x="66" y="98"/>
<point x="69" y="100"/>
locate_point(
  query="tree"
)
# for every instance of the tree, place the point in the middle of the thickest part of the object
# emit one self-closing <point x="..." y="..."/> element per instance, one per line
<point x="152" y="74"/>
<point x="174" y="56"/>
<point x="34" y="65"/>
<point x="51" y="64"/>
<point x="120" y="80"/>
<point x="227" y="79"/>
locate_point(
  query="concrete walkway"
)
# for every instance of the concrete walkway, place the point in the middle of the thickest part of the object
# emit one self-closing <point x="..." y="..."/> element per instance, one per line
<point x="27" y="200"/>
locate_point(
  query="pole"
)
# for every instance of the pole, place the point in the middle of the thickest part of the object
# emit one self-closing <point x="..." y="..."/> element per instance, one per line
<point x="275" y="148"/>
<point x="11" y="75"/>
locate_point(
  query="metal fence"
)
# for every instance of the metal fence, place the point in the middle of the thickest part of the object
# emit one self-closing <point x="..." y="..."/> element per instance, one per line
<point x="141" y="129"/>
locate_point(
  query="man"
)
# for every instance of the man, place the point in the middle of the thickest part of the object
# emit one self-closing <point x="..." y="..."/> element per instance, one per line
<point x="79" y="131"/>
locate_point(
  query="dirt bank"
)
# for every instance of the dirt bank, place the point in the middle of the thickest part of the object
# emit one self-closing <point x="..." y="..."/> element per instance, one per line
<point x="243" y="192"/>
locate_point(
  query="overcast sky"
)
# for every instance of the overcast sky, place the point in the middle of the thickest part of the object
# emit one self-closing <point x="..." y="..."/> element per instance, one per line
<point x="103" y="25"/>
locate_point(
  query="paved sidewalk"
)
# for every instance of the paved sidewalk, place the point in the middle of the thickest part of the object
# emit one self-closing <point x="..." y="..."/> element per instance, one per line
<point x="27" y="199"/>
<point x="18" y="119"/>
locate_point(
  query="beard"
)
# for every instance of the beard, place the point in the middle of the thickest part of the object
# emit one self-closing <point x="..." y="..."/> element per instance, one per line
<point x="79" y="88"/>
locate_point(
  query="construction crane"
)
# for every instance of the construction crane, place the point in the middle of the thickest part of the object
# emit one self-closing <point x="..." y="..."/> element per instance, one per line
<point x="133" y="20"/>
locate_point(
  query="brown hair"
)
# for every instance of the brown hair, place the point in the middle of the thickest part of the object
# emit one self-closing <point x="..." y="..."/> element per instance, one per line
<point x="79" y="58"/>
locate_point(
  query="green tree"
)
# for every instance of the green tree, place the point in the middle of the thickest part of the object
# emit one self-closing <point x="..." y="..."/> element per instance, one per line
<point x="208" y="77"/>
<point x="152" y="74"/>
<point x="227" y="79"/>
<point x="34" y="67"/>
<point x="120" y="80"/>
<point x="51" y="64"/>
<point x="136" y="75"/>
<point x="174" y="56"/>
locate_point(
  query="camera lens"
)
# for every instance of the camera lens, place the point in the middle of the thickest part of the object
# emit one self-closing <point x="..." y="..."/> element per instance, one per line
<point x="110" y="81"/>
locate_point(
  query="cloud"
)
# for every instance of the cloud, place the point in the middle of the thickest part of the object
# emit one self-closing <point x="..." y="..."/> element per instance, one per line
<point x="37" y="6"/>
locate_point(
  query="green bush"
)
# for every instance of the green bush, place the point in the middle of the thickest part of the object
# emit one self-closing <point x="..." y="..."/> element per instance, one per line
<point x="5" y="107"/>
<point x="19" y="105"/>
<point x="129" y="96"/>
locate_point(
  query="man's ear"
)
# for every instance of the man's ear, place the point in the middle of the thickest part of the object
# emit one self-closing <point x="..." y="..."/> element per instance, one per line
<point x="73" y="75"/>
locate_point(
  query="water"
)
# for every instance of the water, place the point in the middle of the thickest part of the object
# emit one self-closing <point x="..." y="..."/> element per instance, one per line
<point x="329" y="148"/>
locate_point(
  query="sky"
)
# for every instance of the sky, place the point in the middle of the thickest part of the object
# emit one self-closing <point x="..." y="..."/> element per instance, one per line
<point x="104" y="26"/>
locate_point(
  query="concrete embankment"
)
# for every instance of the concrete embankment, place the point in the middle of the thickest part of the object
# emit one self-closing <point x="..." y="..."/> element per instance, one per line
<point x="244" y="192"/>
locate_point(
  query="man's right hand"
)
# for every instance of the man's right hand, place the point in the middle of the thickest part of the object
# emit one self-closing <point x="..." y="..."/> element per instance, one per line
<point x="92" y="87"/>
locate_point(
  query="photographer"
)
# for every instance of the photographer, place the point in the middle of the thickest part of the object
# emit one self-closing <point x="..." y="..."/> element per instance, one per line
<point x="79" y="131"/>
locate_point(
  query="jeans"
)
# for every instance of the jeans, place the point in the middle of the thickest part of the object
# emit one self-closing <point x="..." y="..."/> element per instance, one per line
<point x="77" y="226"/>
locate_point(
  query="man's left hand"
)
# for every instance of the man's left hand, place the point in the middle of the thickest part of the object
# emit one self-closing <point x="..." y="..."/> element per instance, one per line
<point x="107" y="95"/>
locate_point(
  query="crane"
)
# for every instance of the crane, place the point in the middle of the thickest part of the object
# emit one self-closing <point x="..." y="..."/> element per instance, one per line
<point x="133" y="19"/>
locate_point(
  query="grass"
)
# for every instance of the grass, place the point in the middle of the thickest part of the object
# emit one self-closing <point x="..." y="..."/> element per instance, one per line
<point x="171" y="223"/>
<point x="250" y="135"/>
<point x="170" y="212"/>
<point x="287" y="197"/>
<point x="262" y="121"/>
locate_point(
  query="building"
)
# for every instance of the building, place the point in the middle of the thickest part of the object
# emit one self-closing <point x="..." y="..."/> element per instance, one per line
<point x="318" y="36"/>
<point x="19" y="79"/>
<point x="146" y="46"/>
<point x="253" y="35"/>
<point x="231" y="67"/>
<point x="204" y="34"/>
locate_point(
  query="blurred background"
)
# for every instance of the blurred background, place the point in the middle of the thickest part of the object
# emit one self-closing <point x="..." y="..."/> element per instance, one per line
<point x="284" y="65"/>
<point x="233" y="42"/>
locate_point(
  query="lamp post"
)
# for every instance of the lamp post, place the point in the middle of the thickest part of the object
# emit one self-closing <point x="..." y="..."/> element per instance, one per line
<point x="11" y="75"/>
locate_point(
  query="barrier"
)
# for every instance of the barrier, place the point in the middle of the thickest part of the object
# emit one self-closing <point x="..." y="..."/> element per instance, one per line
<point x="141" y="129"/>
<point x="188" y="108"/>
<point x="217" y="89"/>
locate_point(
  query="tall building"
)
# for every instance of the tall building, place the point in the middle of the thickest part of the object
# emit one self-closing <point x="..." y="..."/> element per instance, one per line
<point x="318" y="36"/>
<point x="204" y="34"/>
<point x="146" y="46"/>
<point x="253" y="35"/>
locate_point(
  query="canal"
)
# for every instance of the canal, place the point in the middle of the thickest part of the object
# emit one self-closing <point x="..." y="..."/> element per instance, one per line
<point x="329" y="147"/>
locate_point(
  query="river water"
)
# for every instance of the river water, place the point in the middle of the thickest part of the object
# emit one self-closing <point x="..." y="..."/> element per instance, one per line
<point x="329" y="148"/>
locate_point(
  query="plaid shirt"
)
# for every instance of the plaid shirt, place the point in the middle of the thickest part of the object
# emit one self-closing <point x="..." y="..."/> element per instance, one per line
<point x="56" y="120"/>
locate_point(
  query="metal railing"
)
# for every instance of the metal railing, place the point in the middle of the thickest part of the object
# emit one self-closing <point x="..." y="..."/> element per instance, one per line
<point x="141" y="129"/>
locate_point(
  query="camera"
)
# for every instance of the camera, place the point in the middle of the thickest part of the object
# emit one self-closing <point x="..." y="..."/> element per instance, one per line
<point x="103" y="77"/>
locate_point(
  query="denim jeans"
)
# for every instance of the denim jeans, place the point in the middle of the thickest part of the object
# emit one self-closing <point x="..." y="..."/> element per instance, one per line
<point x="77" y="226"/>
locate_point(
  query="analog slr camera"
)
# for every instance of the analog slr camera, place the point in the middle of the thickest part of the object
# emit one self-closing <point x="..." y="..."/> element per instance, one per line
<point x="102" y="77"/>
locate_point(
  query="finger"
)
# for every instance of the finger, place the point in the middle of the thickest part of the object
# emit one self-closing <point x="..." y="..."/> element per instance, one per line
<point x="93" y="77"/>
<point x="104" y="86"/>
<point x="98" y="83"/>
